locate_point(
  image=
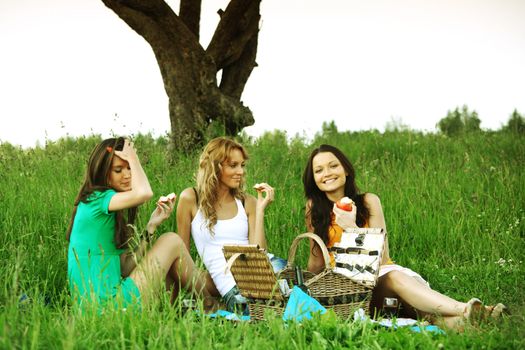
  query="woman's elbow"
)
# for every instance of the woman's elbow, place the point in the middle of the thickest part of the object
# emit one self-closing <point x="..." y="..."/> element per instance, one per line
<point x="124" y="273"/>
<point x="145" y="194"/>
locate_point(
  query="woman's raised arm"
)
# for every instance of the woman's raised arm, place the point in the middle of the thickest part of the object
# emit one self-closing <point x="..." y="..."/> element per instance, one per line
<point x="255" y="209"/>
<point x="140" y="188"/>
<point x="186" y="210"/>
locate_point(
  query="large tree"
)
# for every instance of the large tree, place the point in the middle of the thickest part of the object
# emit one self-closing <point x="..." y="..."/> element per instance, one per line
<point x="189" y="71"/>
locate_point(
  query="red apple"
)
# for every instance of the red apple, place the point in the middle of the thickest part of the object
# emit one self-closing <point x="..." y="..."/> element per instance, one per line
<point x="345" y="203"/>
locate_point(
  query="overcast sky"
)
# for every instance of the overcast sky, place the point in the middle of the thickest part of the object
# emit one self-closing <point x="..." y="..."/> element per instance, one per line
<point x="67" y="67"/>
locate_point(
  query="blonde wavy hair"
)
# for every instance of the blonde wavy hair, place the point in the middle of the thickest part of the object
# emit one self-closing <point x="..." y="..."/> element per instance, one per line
<point x="216" y="152"/>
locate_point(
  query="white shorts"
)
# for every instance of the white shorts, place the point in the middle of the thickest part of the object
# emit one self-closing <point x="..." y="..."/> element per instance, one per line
<point x="384" y="269"/>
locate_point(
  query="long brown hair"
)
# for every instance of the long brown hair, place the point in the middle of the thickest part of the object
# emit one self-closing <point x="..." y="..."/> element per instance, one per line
<point x="320" y="212"/>
<point x="97" y="179"/>
<point x="214" y="154"/>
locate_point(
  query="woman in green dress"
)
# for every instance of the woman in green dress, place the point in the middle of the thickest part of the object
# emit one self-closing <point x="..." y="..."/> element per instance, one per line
<point x="101" y="266"/>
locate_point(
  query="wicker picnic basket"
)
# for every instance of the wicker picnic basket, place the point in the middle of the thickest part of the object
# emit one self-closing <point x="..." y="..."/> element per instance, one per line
<point x="331" y="289"/>
<point x="256" y="280"/>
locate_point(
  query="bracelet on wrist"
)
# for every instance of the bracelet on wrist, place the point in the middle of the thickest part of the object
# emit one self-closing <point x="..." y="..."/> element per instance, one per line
<point x="147" y="236"/>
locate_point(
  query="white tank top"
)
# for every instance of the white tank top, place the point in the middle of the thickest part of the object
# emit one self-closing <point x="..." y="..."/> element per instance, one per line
<point x="209" y="247"/>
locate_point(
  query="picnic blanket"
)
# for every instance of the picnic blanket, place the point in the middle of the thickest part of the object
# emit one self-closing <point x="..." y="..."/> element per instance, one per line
<point x="301" y="306"/>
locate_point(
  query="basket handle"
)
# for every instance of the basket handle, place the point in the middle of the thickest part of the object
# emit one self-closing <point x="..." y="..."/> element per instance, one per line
<point x="317" y="239"/>
<point x="230" y="262"/>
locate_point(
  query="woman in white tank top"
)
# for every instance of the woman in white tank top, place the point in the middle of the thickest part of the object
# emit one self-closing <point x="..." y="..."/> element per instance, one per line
<point x="219" y="212"/>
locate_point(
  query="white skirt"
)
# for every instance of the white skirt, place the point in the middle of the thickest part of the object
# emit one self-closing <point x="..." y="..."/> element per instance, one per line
<point x="384" y="269"/>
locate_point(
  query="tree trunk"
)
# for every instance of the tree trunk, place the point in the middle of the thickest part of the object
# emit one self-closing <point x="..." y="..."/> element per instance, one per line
<point x="189" y="72"/>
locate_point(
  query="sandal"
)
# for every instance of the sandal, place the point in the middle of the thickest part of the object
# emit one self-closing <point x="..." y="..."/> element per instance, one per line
<point x="496" y="311"/>
<point x="474" y="311"/>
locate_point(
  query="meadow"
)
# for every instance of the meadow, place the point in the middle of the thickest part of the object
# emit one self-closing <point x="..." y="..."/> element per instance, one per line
<point x="454" y="208"/>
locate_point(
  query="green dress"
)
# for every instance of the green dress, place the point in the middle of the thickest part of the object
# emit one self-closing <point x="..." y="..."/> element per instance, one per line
<point x="93" y="259"/>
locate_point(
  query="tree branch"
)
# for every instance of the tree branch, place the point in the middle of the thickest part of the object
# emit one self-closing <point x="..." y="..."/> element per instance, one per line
<point x="151" y="19"/>
<point x="238" y="24"/>
<point x="190" y="14"/>
<point x="235" y="76"/>
<point x="149" y="7"/>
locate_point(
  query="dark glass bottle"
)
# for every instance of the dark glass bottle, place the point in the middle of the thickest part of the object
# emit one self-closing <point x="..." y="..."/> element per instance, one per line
<point x="300" y="280"/>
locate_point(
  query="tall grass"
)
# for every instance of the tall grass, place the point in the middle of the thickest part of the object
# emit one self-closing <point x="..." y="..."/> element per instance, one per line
<point x="454" y="209"/>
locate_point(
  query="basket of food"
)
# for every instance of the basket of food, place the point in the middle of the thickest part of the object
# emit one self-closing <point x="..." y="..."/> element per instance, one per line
<point x="333" y="290"/>
<point x="344" y="288"/>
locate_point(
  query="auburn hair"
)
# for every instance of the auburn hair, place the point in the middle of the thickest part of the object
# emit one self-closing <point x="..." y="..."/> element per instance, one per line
<point x="97" y="179"/>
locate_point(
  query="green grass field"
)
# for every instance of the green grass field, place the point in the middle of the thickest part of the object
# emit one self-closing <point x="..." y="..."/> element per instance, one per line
<point x="454" y="207"/>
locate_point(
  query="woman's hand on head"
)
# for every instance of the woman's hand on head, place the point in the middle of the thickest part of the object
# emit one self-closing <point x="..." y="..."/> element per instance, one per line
<point x="345" y="219"/>
<point x="161" y="213"/>
<point x="265" y="195"/>
<point x="128" y="150"/>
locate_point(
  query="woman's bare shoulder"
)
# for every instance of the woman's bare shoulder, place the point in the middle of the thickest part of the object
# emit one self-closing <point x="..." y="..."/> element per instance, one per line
<point x="188" y="196"/>
<point x="249" y="200"/>
<point x="371" y="199"/>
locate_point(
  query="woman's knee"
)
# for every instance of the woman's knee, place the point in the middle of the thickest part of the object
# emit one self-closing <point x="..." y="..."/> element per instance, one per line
<point x="394" y="280"/>
<point x="171" y="240"/>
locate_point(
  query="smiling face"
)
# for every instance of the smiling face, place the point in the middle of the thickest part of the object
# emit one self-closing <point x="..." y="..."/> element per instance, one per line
<point x="120" y="175"/>
<point x="232" y="170"/>
<point x="328" y="172"/>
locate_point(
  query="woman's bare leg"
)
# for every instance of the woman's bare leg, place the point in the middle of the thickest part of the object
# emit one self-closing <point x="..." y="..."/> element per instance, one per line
<point x="417" y="295"/>
<point x="212" y="289"/>
<point x="168" y="258"/>
<point x="173" y="285"/>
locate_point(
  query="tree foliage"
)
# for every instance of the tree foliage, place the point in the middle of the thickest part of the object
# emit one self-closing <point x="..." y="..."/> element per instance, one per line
<point x="396" y="125"/>
<point x="515" y="124"/>
<point x="459" y="122"/>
